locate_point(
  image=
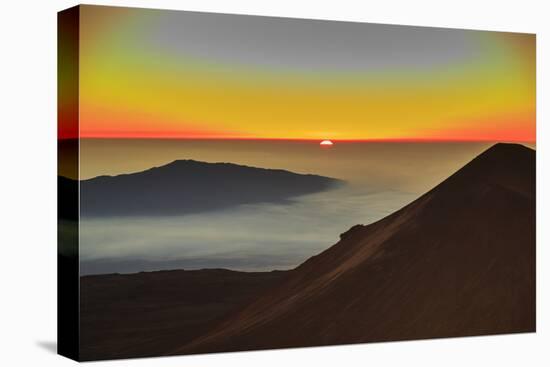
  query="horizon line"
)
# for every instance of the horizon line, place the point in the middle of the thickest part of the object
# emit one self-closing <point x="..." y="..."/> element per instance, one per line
<point x="344" y="140"/>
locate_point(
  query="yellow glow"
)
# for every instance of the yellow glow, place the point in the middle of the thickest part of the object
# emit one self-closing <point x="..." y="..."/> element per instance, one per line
<point x="132" y="92"/>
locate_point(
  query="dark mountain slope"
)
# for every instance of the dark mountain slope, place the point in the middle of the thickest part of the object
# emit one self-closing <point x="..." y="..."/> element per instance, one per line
<point x="187" y="186"/>
<point x="458" y="261"/>
<point x="146" y="314"/>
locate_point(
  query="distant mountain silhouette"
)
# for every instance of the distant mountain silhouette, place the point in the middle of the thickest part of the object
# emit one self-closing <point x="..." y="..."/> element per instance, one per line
<point x="458" y="261"/>
<point x="188" y="186"/>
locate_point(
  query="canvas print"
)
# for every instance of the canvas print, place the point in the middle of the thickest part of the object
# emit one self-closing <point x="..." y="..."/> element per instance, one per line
<point x="236" y="183"/>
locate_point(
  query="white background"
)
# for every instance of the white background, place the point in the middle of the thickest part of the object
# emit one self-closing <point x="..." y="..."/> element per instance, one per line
<point x="28" y="183"/>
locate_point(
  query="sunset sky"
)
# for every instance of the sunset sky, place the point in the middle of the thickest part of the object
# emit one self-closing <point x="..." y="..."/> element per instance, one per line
<point x="170" y="74"/>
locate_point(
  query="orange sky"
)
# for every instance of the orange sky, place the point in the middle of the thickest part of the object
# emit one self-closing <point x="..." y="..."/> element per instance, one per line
<point x="156" y="74"/>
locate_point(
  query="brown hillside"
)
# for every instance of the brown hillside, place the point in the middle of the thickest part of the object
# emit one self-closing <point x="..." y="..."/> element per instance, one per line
<point x="458" y="261"/>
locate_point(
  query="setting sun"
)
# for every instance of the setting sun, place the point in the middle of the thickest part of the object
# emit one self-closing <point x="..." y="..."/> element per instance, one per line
<point x="326" y="143"/>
